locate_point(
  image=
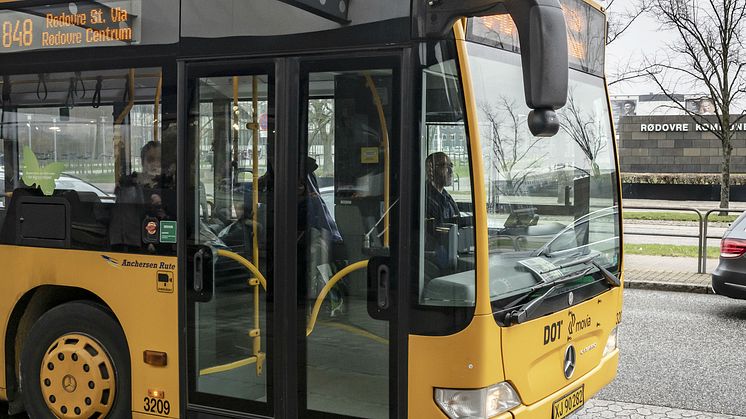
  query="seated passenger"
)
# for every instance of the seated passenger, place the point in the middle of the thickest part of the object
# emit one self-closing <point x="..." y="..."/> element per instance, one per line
<point x="238" y="235"/>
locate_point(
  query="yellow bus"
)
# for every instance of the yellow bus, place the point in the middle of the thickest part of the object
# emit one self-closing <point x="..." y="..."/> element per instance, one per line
<point x="306" y="208"/>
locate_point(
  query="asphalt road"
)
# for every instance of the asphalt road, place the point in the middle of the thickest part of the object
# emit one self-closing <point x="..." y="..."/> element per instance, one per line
<point x="684" y="351"/>
<point x="678" y="350"/>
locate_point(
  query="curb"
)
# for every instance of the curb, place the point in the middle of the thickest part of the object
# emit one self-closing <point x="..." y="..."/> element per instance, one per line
<point x="670" y="286"/>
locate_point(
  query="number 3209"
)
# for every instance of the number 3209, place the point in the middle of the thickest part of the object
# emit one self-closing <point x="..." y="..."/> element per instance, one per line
<point x="159" y="406"/>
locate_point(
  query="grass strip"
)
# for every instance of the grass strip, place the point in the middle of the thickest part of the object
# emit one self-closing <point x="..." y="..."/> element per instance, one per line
<point x="713" y="252"/>
<point x="674" y="216"/>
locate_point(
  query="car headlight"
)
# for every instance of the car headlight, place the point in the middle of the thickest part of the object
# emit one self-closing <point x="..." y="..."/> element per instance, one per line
<point x="612" y="342"/>
<point x="480" y="403"/>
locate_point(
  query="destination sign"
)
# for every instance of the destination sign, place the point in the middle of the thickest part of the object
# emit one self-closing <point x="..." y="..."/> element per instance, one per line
<point x="70" y="25"/>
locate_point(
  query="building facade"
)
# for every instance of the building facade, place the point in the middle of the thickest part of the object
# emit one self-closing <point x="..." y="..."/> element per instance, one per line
<point x="676" y="144"/>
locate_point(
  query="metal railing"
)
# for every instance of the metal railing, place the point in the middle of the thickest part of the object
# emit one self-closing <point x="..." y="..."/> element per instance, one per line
<point x="705" y="236"/>
<point x="702" y="227"/>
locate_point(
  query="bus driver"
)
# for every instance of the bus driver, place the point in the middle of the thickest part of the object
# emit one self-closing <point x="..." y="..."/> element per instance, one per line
<point x="440" y="204"/>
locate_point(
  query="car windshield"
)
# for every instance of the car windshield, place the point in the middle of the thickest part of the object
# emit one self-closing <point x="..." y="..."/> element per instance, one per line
<point x="551" y="202"/>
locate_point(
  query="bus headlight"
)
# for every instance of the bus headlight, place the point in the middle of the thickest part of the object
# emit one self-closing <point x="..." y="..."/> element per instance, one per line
<point x="612" y="342"/>
<point x="480" y="403"/>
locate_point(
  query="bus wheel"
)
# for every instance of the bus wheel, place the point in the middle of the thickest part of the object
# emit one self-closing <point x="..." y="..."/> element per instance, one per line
<point x="75" y="363"/>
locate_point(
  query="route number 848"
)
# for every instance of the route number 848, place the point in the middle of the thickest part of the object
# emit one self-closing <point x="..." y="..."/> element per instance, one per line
<point x="20" y="34"/>
<point x="159" y="406"/>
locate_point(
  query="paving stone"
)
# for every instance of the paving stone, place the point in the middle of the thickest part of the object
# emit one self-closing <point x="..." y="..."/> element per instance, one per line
<point x="604" y="409"/>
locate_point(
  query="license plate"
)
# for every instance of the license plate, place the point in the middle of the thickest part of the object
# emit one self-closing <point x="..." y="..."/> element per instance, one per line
<point x="563" y="407"/>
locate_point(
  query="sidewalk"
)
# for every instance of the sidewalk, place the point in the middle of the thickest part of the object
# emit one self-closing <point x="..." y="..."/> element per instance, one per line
<point x="670" y="273"/>
<point x="667" y="274"/>
<point x="604" y="409"/>
<point x="700" y="205"/>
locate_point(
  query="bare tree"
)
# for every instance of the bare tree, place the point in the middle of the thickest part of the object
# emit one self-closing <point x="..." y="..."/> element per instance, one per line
<point x="708" y="55"/>
<point x="321" y="130"/>
<point x="511" y="147"/>
<point x="620" y="20"/>
<point x="583" y="128"/>
<point x="621" y="15"/>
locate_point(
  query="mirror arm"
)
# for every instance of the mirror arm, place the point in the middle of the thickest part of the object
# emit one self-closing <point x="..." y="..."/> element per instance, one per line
<point x="434" y="19"/>
<point x="544" y="56"/>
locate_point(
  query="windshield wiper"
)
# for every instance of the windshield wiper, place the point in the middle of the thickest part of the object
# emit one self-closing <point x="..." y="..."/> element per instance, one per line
<point x="521" y="315"/>
<point x="609" y="277"/>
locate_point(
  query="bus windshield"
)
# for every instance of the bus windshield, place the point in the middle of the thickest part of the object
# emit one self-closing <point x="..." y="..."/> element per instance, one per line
<point x="551" y="202"/>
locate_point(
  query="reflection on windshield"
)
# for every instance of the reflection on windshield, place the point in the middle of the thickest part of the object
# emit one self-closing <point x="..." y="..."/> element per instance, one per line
<point x="550" y="201"/>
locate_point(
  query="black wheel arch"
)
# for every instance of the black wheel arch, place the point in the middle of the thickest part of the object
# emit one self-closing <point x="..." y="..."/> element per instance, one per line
<point x="29" y="308"/>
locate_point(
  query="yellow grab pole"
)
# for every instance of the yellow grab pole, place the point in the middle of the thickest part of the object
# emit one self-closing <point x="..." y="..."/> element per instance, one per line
<point x="386" y="158"/>
<point x="328" y="287"/>
<point x="248" y="265"/>
<point x="157" y="108"/>
<point x="255" y="209"/>
<point x="228" y="367"/>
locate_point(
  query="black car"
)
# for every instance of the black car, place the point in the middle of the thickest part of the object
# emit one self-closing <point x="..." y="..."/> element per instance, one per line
<point x="729" y="278"/>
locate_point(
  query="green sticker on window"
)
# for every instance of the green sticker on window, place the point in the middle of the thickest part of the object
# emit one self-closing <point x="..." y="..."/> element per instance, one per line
<point x="34" y="175"/>
<point x="168" y="231"/>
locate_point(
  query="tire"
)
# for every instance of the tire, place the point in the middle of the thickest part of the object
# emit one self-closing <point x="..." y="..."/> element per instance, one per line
<point x="73" y="338"/>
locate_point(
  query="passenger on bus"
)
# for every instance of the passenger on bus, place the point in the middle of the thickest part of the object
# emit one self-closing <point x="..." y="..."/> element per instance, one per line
<point x="140" y="203"/>
<point x="313" y="209"/>
<point x="320" y="236"/>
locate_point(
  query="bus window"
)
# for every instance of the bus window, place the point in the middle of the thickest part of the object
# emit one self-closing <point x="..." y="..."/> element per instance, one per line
<point x="90" y="141"/>
<point x="447" y="261"/>
<point x="230" y="210"/>
<point x="551" y="202"/>
<point x="345" y="218"/>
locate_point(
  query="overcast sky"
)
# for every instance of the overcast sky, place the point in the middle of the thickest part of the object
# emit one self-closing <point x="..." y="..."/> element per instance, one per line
<point x="644" y="37"/>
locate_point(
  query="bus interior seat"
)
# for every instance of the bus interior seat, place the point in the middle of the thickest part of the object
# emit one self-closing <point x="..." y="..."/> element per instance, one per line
<point x="8" y="233"/>
<point x="88" y="222"/>
<point x="457" y="289"/>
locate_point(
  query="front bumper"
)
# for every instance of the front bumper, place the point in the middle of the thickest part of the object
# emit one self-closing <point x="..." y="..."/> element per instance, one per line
<point x="594" y="381"/>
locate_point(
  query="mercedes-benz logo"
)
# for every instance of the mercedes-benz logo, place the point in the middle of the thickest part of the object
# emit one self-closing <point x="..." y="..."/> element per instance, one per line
<point x="569" y="364"/>
<point x="570" y="298"/>
<point x="69" y="383"/>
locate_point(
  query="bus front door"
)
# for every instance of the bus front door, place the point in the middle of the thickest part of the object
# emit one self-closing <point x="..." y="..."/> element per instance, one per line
<point x="292" y="213"/>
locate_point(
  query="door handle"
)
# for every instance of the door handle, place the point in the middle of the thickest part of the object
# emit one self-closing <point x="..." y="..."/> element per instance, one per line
<point x="383" y="287"/>
<point x="202" y="274"/>
<point x="381" y="303"/>
<point x="199" y="270"/>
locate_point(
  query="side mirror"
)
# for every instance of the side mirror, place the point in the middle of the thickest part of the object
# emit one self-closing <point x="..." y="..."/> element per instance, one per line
<point x="380" y="295"/>
<point x="543" y="37"/>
